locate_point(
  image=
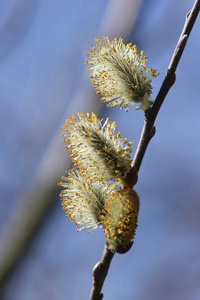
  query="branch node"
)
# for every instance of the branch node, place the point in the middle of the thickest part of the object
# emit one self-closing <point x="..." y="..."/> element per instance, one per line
<point x="96" y="270"/>
<point x="152" y="132"/>
<point x="182" y="42"/>
<point x="188" y="14"/>
<point x="173" y="79"/>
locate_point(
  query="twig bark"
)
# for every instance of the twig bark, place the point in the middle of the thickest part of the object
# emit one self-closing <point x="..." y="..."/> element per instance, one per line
<point x="101" y="269"/>
<point x="168" y="81"/>
<point x="99" y="274"/>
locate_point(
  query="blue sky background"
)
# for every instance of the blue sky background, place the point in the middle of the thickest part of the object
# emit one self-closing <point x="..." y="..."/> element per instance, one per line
<point x="43" y="81"/>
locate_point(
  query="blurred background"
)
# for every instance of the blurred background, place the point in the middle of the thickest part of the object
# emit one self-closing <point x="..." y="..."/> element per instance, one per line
<point x="43" y="81"/>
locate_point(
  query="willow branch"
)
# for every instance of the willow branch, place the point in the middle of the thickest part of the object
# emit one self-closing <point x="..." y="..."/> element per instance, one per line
<point x="99" y="274"/>
<point x="150" y="115"/>
<point x="101" y="269"/>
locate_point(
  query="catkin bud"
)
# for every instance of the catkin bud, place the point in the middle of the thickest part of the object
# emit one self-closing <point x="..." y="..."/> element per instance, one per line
<point x="119" y="218"/>
<point x="118" y="72"/>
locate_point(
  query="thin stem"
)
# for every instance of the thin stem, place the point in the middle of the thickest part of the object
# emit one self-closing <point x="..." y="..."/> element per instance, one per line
<point x="150" y="116"/>
<point x="101" y="269"/>
<point x="99" y="274"/>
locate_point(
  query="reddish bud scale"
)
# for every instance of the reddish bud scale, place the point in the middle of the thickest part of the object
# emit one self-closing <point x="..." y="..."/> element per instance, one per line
<point x="123" y="250"/>
<point x="131" y="177"/>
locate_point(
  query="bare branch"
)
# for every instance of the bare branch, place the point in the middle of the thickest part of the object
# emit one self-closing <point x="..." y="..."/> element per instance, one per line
<point x="168" y="81"/>
<point x="99" y="274"/>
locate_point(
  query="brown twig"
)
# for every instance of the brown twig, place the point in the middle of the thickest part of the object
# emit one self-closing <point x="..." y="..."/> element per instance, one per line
<point x="101" y="269"/>
<point x="99" y="274"/>
<point x="168" y="81"/>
